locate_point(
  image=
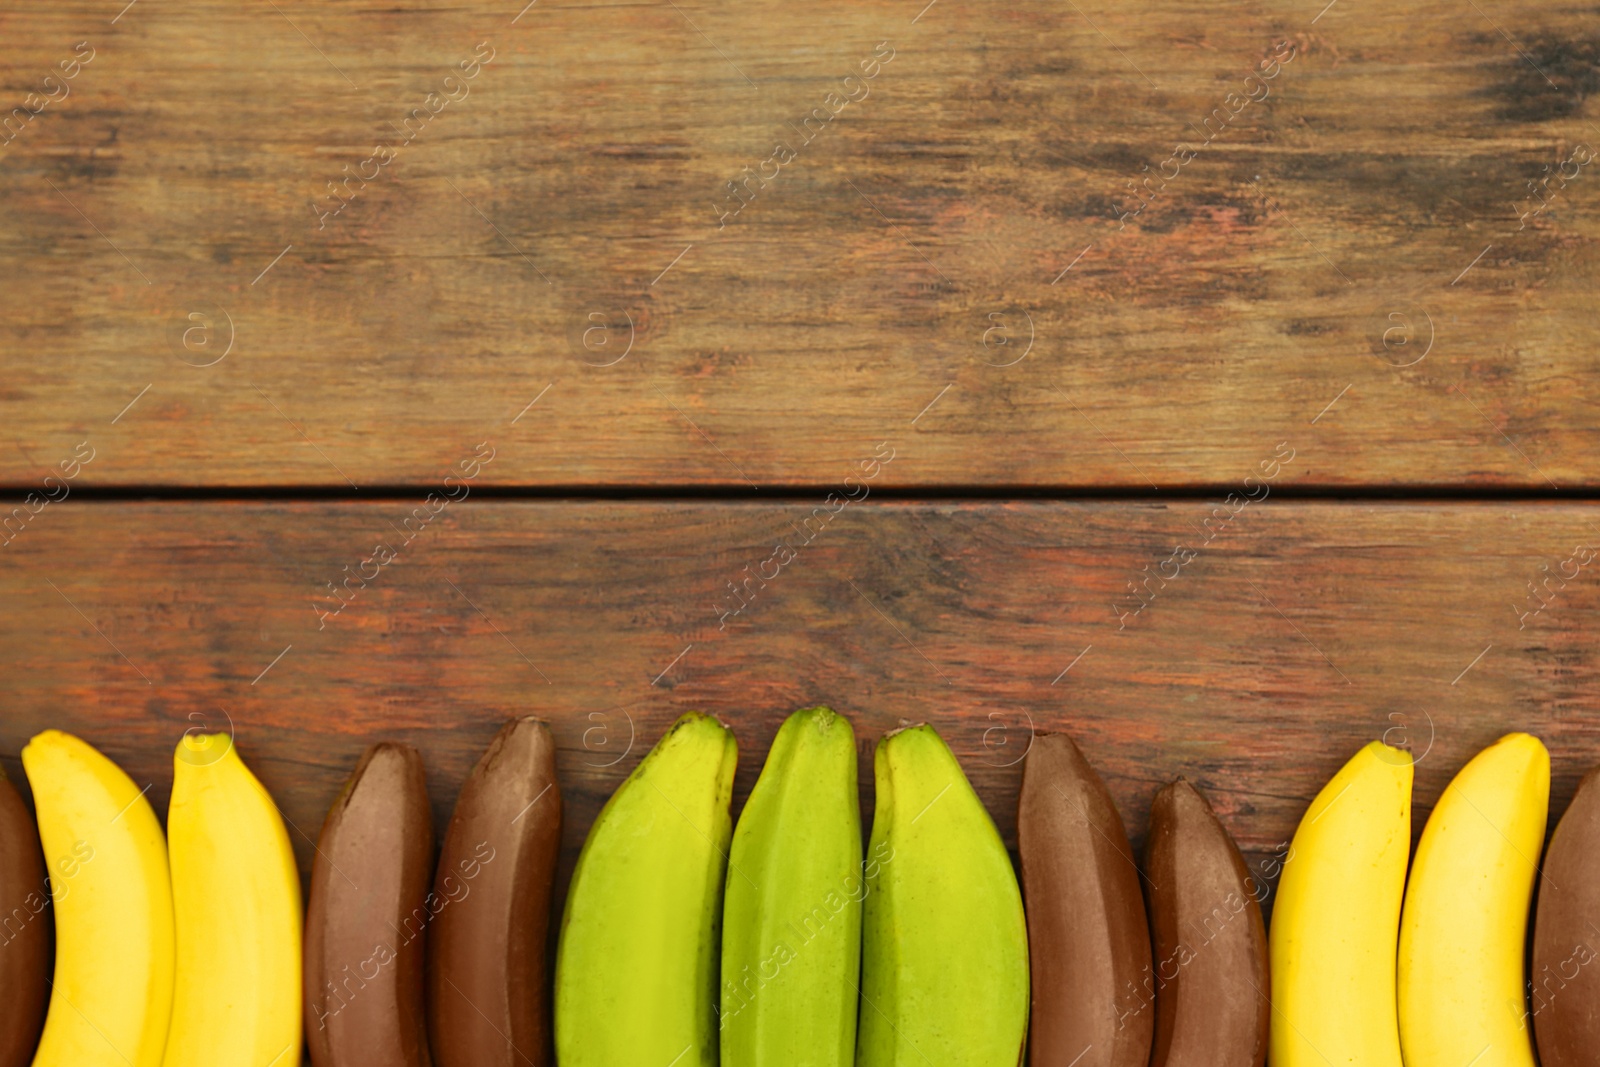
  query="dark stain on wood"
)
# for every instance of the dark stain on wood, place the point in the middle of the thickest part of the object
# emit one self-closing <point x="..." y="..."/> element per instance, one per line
<point x="1549" y="78"/>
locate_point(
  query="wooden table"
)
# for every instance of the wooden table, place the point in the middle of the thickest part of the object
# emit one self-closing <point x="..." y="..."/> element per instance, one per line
<point x="287" y="269"/>
<point x="1299" y="631"/>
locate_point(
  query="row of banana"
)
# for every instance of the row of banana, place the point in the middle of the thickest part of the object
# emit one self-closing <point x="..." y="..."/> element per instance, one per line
<point x="686" y="942"/>
<point x="180" y="949"/>
<point x="1427" y="964"/>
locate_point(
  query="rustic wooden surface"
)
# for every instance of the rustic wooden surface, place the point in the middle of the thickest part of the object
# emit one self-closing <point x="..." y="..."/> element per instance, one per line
<point x="1380" y="274"/>
<point x="1298" y="633"/>
<point x="1377" y="208"/>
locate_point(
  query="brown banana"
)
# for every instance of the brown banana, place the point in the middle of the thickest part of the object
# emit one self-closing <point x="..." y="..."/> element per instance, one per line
<point x="367" y="917"/>
<point x="26" y="926"/>
<point x="1087" y="935"/>
<point x="1565" y="1003"/>
<point x="1210" y="981"/>
<point x="488" y="984"/>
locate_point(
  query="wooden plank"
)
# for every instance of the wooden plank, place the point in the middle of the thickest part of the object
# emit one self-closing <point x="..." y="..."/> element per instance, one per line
<point x="1297" y="633"/>
<point x="1395" y="242"/>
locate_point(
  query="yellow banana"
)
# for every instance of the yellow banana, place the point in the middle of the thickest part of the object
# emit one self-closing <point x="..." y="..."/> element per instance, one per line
<point x="636" y="970"/>
<point x="1463" y="936"/>
<point x="111" y="998"/>
<point x="944" y="956"/>
<point x="1337" y="919"/>
<point x="236" y="896"/>
<point x="791" y="917"/>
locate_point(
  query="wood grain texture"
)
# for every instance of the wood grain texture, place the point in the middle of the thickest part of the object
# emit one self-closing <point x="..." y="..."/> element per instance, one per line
<point x="1298" y="633"/>
<point x="1371" y="208"/>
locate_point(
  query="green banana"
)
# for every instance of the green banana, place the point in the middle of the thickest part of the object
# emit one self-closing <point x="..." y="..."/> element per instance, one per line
<point x="636" y="970"/>
<point x="791" y="918"/>
<point x="944" y="956"/>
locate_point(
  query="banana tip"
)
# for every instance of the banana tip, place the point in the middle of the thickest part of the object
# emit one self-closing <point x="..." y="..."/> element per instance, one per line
<point x="1521" y="739"/>
<point x="823" y="722"/>
<point x="691" y="719"/>
<point x="1391" y="754"/>
<point x="200" y="749"/>
<point x="46" y="737"/>
<point x="47" y="741"/>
